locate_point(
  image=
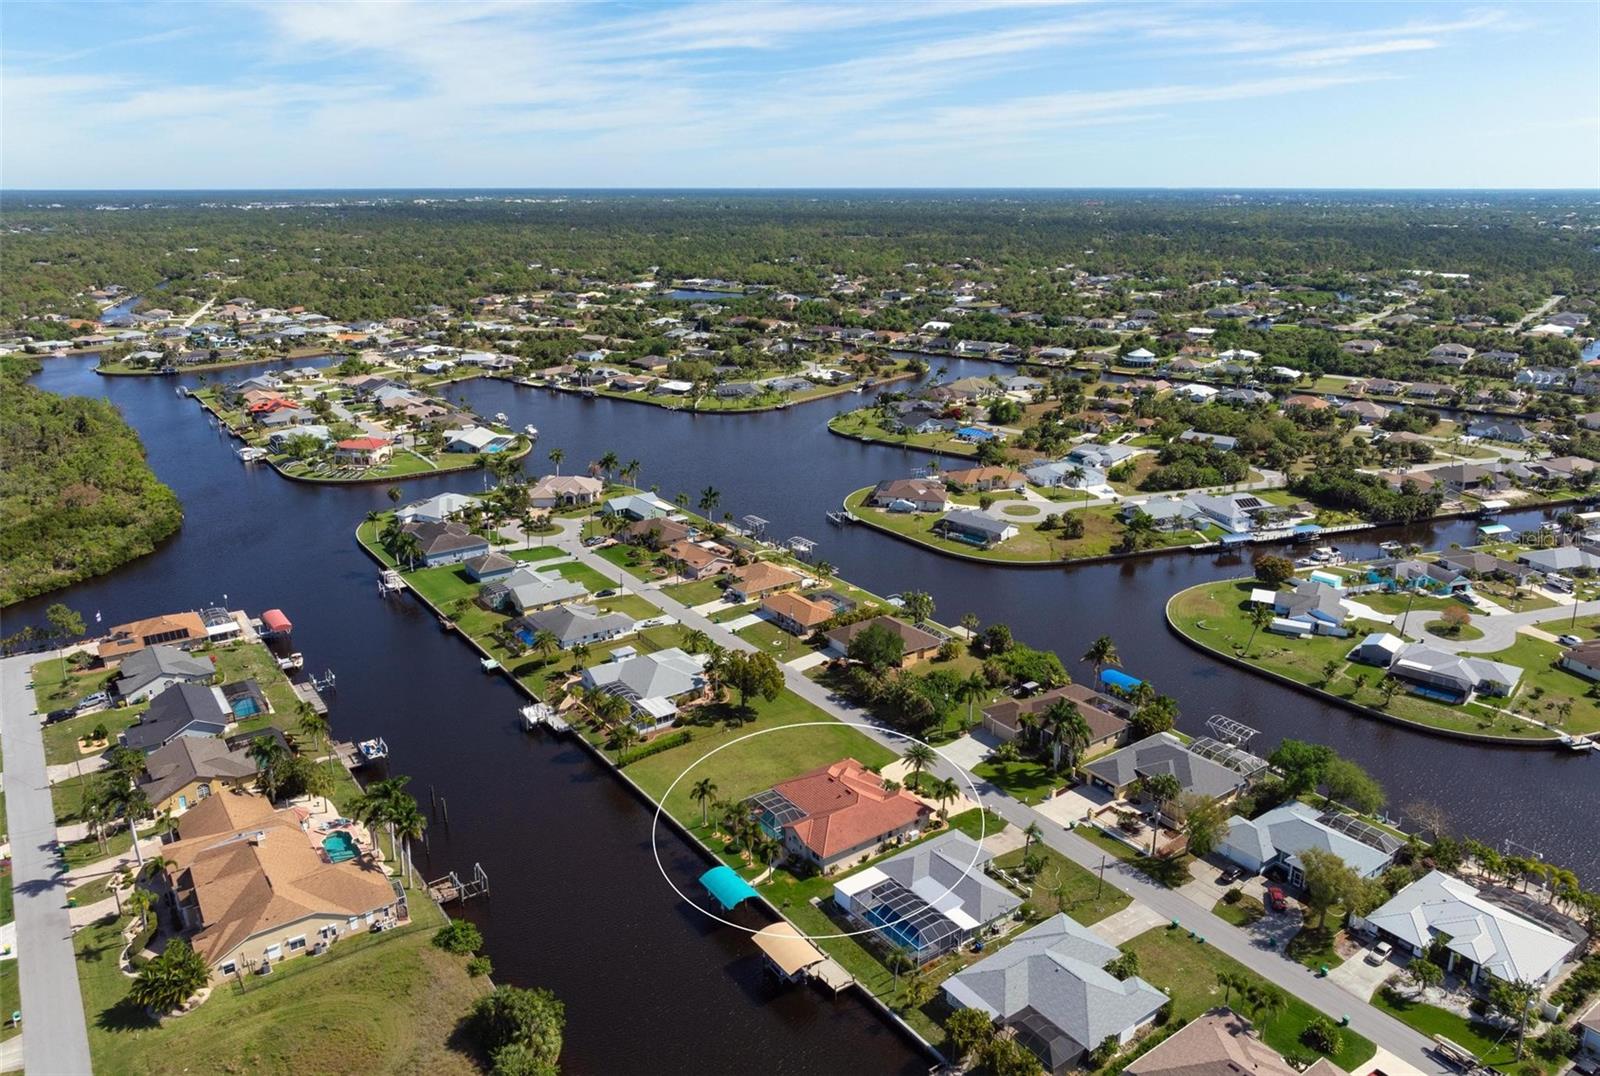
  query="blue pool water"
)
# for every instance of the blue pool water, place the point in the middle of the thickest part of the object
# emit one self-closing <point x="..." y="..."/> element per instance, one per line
<point x="340" y="846"/>
<point x="245" y="707"/>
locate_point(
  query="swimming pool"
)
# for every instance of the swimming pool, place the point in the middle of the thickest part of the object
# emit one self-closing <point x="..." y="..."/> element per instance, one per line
<point x="340" y="846"/>
<point x="245" y="706"/>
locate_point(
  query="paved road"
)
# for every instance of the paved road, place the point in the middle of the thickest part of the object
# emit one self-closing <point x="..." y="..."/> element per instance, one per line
<point x="56" y="1040"/>
<point x="1499" y="632"/>
<point x="1390" y="1034"/>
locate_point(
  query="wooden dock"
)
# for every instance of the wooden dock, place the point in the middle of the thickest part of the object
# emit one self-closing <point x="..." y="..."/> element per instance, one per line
<point x="308" y="694"/>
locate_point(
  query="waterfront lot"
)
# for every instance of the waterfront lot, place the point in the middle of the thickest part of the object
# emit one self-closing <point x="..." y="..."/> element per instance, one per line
<point x="1215" y="615"/>
<point x="1102" y="534"/>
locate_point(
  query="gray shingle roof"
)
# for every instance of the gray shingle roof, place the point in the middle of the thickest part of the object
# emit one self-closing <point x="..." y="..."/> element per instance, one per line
<point x="946" y="859"/>
<point x="144" y="667"/>
<point x="1165" y="753"/>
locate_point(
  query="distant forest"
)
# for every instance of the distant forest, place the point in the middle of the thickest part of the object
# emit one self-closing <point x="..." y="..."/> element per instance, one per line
<point x="77" y="498"/>
<point x="393" y="257"/>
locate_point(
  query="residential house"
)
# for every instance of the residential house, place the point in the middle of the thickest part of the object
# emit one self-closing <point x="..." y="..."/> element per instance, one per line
<point x="1453" y="678"/>
<point x="654" y="685"/>
<point x="930" y="899"/>
<point x="837" y="815"/>
<point x="976" y="528"/>
<point x="1380" y="648"/>
<point x="1219" y="1043"/>
<point x="654" y="533"/>
<point x="478" y="440"/>
<point x="146" y="673"/>
<point x="1050" y="987"/>
<point x="694" y="560"/>
<point x="1467" y="478"/>
<point x="255" y="888"/>
<point x="987" y="479"/>
<point x="178" y="629"/>
<point x="1106" y="728"/>
<point x="1364" y="411"/>
<point x="1118" y="772"/>
<point x="487" y="567"/>
<point x="919" y="645"/>
<point x="909" y="495"/>
<point x="565" y="491"/>
<point x="1503" y="430"/>
<point x="1480" y="936"/>
<point x="1235" y="513"/>
<point x="525" y="590"/>
<point x="1560" y="559"/>
<point x="1450" y="354"/>
<point x="1544" y="379"/>
<point x="363" y="451"/>
<point x="638" y="506"/>
<point x="1100" y="457"/>
<point x="445" y="543"/>
<point x="181" y="710"/>
<point x="435" y="509"/>
<point x="574" y="624"/>
<point x="1583" y="659"/>
<point x="753" y="581"/>
<point x="1220" y="442"/>
<point x="1361" y="347"/>
<point x="1139" y="358"/>
<point x="188" y="769"/>
<point x="1243" y="397"/>
<point x="1279" y="837"/>
<point x="795" y="613"/>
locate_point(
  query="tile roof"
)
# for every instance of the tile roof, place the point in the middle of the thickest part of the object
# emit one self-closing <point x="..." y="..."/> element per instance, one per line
<point x="798" y="608"/>
<point x="172" y="627"/>
<point x="915" y="638"/>
<point x="846" y="806"/>
<point x="760" y="577"/>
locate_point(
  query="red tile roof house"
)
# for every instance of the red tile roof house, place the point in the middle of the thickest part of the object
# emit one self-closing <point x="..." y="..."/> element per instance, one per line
<point x="838" y="815"/>
<point x="363" y="451"/>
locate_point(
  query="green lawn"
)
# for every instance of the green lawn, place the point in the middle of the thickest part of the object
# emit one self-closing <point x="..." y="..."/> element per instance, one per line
<point x="57" y="684"/>
<point x="755" y="764"/>
<point x="1546" y="687"/>
<point x="1313" y="946"/>
<point x="374" y="1003"/>
<point x="61" y="739"/>
<point x="1481" y="1039"/>
<point x="582" y="573"/>
<point x="774" y="640"/>
<point x="1214" y="615"/>
<point x="10" y="998"/>
<point x="631" y="559"/>
<point x="864" y="424"/>
<point x="1242" y="913"/>
<point x="536" y="553"/>
<point x="1171" y="872"/>
<point x="1064" y="886"/>
<point x="697" y="593"/>
<point x="630" y="605"/>
<point x="1103" y="533"/>
<point x="1186" y="969"/>
<point x="1025" y="780"/>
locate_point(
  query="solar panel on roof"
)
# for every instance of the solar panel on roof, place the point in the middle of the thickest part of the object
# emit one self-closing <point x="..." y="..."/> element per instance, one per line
<point x="1248" y="502"/>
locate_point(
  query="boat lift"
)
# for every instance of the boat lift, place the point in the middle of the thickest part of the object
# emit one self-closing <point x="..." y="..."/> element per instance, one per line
<point x="754" y="527"/>
<point x="802" y="547"/>
<point x="452" y="888"/>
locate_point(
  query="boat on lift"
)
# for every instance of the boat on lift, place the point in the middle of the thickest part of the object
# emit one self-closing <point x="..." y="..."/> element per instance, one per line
<point x="532" y="431"/>
<point x="295" y="660"/>
<point x="500" y="417"/>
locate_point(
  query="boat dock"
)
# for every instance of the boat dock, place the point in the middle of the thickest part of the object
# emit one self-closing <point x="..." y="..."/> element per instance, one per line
<point x="451" y="887"/>
<point x="536" y="714"/>
<point x="389" y="582"/>
<point x="307" y="693"/>
<point x="792" y="957"/>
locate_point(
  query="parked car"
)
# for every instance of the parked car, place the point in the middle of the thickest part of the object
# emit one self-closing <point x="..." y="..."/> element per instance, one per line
<point x="89" y="702"/>
<point x="1229" y="876"/>
<point x="1568" y="640"/>
<point x="592" y="542"/>
<point x="1379" y="953"/>
<point x="60" y="715"/>
<point x="1276" y="899"/>
<point x="609" y="592"/>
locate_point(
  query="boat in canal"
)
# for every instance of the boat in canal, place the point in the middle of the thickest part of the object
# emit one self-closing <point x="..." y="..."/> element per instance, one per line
<point x="532" y="431"/>
<point x="500" y="417"/>
<point x="294" y="661"/>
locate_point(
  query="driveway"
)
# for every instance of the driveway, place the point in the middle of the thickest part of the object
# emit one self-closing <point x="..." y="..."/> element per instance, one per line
<point x="1360" y="978"/>
<point x="965" y="752"/>
<point x="1074" y="805"/>
<point x="57" y="1040"/>
<point x="1128" y="924"/>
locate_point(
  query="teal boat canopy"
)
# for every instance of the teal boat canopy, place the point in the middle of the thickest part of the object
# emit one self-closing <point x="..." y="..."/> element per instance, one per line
<point x="727" y="887"/>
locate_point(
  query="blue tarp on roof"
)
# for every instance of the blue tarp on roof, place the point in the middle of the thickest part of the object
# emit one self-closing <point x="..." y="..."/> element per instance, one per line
<point x="727" y="887"/>
<point x="1117" y="678"/>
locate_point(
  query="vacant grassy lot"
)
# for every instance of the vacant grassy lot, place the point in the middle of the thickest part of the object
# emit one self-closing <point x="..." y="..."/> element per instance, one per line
<point x="1186" y="970"/>
<point x="1493" y="1049"/>
<point x="1063" y="886"/>
<point x="374" y="1003"/>
<point x="774" y="640"/>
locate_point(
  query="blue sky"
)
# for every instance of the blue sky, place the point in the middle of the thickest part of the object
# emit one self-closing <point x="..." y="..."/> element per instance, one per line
<point x="896" y="94"/>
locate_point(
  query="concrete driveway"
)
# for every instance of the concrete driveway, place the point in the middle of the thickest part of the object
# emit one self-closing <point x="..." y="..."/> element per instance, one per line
<point x="1207" y="887"/>
<point x="1361" y="978"/>
<point x="1074" y="805"/>
<point x="965" y="752"/>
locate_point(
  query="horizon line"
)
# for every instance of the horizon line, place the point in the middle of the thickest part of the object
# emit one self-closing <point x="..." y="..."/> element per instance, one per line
<point x="783" y="189"/>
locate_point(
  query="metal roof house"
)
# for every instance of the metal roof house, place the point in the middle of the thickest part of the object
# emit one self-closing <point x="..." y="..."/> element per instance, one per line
<point x="1479" y="934"/>
<point x="1278" y="837"/>
<point x="1051" y="987"/>
<point x="929" y="899"/>
<point x="1452" y="677"/>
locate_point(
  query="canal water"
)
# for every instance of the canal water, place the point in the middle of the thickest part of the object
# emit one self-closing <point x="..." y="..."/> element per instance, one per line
<point x="577" y="904"/>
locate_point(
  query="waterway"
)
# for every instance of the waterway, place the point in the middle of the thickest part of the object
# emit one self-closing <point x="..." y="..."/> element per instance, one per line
<point x="577" y="904"/>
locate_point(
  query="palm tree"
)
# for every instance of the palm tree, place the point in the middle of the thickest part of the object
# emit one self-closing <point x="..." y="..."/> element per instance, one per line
<point x="918" y="605"/>
<point x="608" y="463"/>
<point x="1069" y="729"/>
<point x="171" y="979"/>
<point x="394" y="494"/>
<point x="919" y="756"/>
<point x="1029" y="835"/>
<point x="406" y="824"/>
<point x="140" y="901"/>
<point x="408" y="549"/>
<point x="1231" y="981"/>
<point x="629" y="471"/>
<point x="694" y="640"/>
<point x="898" y="962"/>
<point x="320" y="782"/>
<point x="1260" y="617"/>
<point x="580" y="652"/>
<point x="556" y="456"/>
<point x="973" y="688"/>
<point x="1102" y="652"/>
<point x="623" y="736"/>
<point x="710" y="497"/>
<point x="269" y="756"/>
<point x="702" y="793"/>
<point x="1264" y="1002"/>
<point x="547" y="643"/>
<point x="313" y="725"/>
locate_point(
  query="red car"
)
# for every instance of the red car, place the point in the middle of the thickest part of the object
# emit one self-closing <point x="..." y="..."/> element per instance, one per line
<point x="1276" y="900"/>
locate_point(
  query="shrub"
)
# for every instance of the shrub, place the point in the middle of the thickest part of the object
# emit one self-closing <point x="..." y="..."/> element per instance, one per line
<point x="480" y="965"/>
<point x="1322" y="1035"/>
<point x="1232" y="896"/>
<point x="660" y="744"/>
<point x="459" y="937"/>
<point x="530" y="1019"/>
<point x="1557" y="1042"/>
